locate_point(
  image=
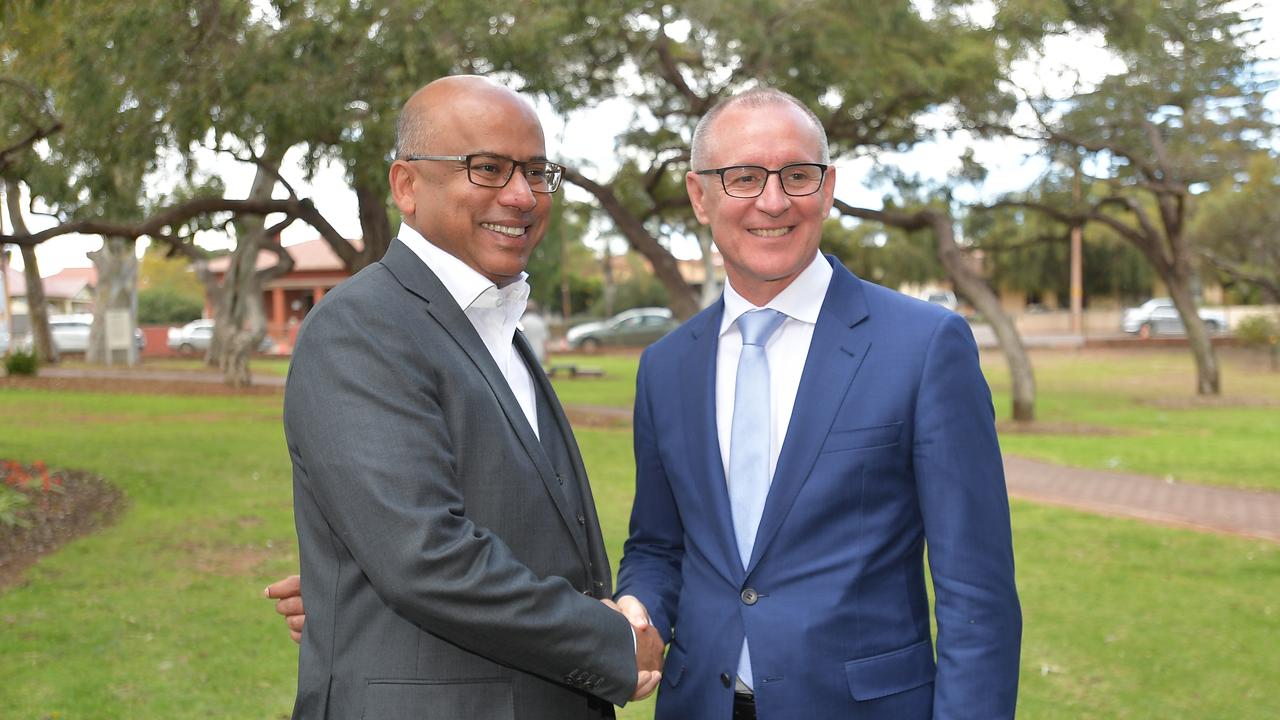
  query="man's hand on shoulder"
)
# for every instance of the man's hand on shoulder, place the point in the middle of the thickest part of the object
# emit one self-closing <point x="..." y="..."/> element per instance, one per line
<point x="649" y="647"/>
<point x="288" y="595"/>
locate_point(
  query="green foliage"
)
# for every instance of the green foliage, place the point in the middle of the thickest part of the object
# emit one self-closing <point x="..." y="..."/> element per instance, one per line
<point x="639" y="290"/>
<point x="1031" y="253"/>
<point x="886" y="256"/>
<point x="21" y="362"/>
<point x="1236" y="226"/>
<point x="12" y="501"/>
<point x="1258" y="331"/>
<point x="166" y="305"/>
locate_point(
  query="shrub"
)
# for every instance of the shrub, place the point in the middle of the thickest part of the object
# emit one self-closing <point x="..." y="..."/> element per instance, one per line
<point x="158" y="306"/>
<point x="1258" y="331"/>
<point x="21" y="362"/>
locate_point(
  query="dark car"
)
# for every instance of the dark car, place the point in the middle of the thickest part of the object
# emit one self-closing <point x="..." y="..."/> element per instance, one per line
<point x="630" y="328"/>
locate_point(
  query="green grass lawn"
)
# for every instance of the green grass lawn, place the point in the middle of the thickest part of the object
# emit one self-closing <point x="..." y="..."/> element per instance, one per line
<point x="159" y="616"/>
<point x="1136" y="411"/>
<point x="615" y="388"/>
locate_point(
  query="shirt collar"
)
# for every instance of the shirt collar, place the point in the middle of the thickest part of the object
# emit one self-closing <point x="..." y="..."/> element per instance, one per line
<point x="800" y="300"/>
<point x="463" y="282"/>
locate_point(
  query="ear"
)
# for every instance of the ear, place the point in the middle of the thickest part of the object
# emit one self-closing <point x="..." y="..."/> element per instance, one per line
<point x="829" y="191"/>
<point x="402" y="181"/>
<point x="697" y="196"/>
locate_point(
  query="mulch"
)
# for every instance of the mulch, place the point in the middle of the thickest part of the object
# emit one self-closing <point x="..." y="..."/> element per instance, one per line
<point x="75" y="503"/>
<point x="132" y="386"/>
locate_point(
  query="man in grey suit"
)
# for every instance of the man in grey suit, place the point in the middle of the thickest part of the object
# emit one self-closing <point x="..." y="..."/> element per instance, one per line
<point x="451" y="557"/>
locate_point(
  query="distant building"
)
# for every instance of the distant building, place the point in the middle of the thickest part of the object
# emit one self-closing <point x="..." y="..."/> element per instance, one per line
<point x="66" y="292"/>
<point x="288" y="298"/>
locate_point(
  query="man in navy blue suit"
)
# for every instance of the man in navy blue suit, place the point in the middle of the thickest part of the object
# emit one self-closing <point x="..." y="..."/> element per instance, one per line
<point x="798" y="444"/>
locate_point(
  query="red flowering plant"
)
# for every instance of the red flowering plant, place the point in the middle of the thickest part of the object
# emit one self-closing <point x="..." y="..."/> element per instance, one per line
<point x="22" y="484"/>
<point x="17" y="475"/>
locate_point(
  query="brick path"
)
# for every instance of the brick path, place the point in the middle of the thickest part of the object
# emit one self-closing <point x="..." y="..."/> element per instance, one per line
<point x="1250" y="513"/>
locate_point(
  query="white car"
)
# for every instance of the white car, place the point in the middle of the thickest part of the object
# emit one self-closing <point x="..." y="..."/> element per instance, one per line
<point x="1158" y="316"/>
<point x="70" y="334"/>
<point x="197" y="335"/>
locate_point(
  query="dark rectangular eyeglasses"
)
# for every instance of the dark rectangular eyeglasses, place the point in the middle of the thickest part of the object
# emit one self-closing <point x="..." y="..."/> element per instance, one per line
<point x="747" y="181"/>
<point x="495" y="171"/>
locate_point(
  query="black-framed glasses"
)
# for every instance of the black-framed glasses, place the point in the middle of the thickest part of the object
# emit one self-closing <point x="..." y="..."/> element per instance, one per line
<point x="495" y="171"/>
<point x="748" y="181"/>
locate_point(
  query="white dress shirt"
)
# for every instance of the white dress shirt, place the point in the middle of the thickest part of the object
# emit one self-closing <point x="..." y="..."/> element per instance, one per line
<point x="786" y="350"/>
<point x="493" y="311"/>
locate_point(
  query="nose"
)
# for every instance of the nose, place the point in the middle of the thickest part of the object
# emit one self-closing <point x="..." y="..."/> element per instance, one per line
<point x="773" y="201"/>
<point x="517" y="193"/>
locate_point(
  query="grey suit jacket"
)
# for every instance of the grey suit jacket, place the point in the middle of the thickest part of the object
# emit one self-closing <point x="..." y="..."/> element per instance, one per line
<point x="447" y="572"/>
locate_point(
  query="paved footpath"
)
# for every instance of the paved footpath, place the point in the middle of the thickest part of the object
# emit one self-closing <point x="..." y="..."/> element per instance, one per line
<point x="1249" y="513"/>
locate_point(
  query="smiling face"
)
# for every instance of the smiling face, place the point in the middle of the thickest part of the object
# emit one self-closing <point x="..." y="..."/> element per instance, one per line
<point x="492" y="230"/>
<point x="766" y="241"/>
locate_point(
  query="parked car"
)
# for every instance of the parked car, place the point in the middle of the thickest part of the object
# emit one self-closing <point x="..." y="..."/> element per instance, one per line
<point x="634" y="328"/>
<point x="70" y="334"/>
<point x="1158" y="316"/>
<point x="945" y="298"/>
<point x="197" y="335"/>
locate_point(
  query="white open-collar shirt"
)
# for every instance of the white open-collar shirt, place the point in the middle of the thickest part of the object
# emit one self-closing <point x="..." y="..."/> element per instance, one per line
<point x="786" y="350"/>
<point x="493" y="311"/>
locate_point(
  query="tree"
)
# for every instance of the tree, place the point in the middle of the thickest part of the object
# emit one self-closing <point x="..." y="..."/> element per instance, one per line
<point x="688" y="57"/>
<point x="1182" y="114"/>
<point x="1236" y="226"/>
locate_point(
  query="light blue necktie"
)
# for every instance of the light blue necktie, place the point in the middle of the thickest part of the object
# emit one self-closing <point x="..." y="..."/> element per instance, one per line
<point x="749" y="440"/>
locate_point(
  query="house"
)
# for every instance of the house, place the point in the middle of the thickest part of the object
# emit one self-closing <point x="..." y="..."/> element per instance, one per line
<point x="66" y="292"/>
<point x="288" y="298"/>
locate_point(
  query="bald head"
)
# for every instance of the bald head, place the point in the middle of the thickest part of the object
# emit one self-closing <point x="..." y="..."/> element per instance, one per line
<point x="429" y="111"/>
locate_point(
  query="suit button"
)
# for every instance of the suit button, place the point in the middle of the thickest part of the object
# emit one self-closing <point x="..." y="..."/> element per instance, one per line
<point x="582" y="519"/>
<point x="559" y="478"/>
<point x="725" y="680"/>
<point x="749" y="596"/>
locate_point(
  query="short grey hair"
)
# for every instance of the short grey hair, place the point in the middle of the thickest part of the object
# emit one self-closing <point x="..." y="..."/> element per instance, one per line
<point x="413" y="132"/>
<point x="754" y="98"/>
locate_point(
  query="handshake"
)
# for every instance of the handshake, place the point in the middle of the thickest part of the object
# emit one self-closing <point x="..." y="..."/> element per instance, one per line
<point x="649" y="647"/>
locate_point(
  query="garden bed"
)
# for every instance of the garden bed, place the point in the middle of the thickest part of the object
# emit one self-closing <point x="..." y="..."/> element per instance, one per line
<point x="60" y="505"/>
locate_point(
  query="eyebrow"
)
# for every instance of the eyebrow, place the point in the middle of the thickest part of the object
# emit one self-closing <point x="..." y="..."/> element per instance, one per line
<point x="535" y="158"/>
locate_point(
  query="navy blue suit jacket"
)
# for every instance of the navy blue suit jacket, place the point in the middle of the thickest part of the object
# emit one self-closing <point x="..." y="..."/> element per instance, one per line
<point x="891" y="445"/>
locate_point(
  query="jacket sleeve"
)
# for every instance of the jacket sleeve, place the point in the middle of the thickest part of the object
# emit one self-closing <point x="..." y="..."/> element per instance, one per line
<point x="654" y="551"/>
<point x="374" y="449"/>
<point x="965" y="506"/>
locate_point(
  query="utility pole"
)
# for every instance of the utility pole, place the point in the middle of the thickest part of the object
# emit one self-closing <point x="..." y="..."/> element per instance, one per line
<point x="1077" y="262"/>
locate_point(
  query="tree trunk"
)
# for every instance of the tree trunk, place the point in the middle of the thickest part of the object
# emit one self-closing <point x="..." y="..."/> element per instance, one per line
<point x="37" y="306"/>
<point x="710" y="286"/>
<point x="970" y="285"/>
<point x="116" y="296"/>
<point x="973" y="288"/>
<point x="684" y="302"/>
<point x="1208" y="380"/>
<point x="374" y="225"/>
<point x="241" y="321"/>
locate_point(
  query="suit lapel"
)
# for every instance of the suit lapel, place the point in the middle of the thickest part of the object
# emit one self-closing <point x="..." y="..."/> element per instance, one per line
<point x="836" y="352"/>
<point x="545" y="394"/>
<point x="698" y="390"/>
<point x="418" y="279"/>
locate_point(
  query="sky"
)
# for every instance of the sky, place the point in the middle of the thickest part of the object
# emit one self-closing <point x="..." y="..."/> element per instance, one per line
<point x="586" y="138"/>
